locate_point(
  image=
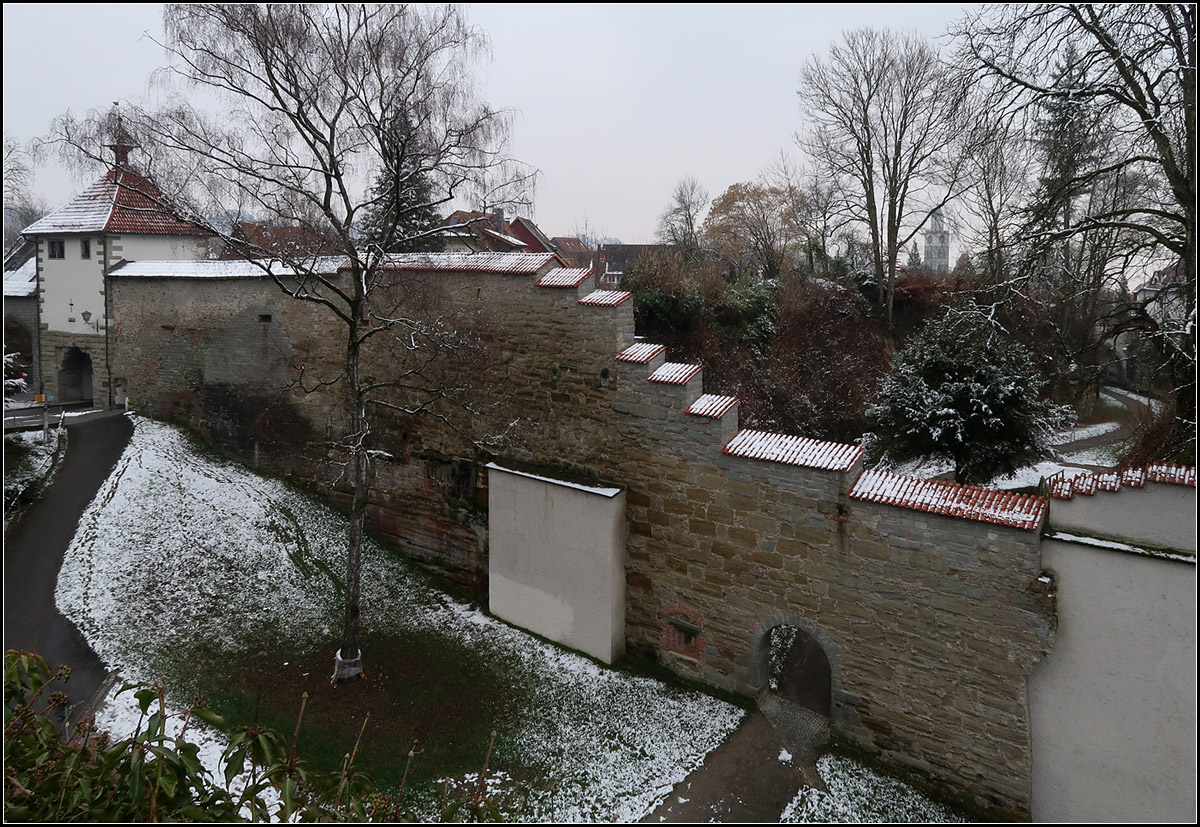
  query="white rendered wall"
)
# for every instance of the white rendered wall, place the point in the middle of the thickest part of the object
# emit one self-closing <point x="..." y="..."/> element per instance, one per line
<point x="1113" y="706"/>
<point x="1161" y="515"/>
<point x="73" y="284"/>
<point x="556" y="560"/>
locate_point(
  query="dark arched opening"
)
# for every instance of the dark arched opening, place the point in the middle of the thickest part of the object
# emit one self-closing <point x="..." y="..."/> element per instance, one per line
<point x="75" y="377"/>
<point x="798" y="669"/>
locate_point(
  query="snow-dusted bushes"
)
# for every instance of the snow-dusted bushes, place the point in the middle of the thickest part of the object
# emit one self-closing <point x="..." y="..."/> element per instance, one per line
<point x="962" y="392"/>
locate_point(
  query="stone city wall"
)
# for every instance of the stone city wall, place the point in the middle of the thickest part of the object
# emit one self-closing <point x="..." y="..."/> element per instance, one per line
<point x="931" y="624"/>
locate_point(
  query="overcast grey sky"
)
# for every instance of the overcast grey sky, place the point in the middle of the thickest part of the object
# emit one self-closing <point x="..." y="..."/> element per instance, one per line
<point x="615" y="103"/>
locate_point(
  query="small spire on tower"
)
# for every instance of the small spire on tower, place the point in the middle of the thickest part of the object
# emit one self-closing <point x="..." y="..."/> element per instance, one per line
<point x="122" y="141"/>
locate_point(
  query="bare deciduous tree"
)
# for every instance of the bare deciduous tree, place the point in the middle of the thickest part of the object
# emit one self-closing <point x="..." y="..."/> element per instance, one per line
<point x="752" y="228"/>
<point x="313" y="104"/>
<point x="20" y="208"/>
<point x="680" y="222"/>
<point x="1134" y="67"/>
<point x="885" y="113"/>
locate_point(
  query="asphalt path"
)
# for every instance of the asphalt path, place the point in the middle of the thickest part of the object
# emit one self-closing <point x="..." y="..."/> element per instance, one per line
<point x="34" y="549"/>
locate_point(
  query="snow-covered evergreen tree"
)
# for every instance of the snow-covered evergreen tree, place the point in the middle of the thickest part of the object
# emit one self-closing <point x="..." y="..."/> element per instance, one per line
<point x="401" y="216"/>
<point x="961" y="392"/>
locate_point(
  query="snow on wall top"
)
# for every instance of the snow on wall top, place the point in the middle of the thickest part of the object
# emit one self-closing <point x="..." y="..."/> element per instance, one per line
<point x="526" y="264"/>
<point x="710" y="404"/>
<point x="204" y="269"/>
<point x="565" y="277"/>
<point x="21" y="282"/>
<point x="1065" y="488"/>
<point x="793" y="450"/>
<point x="674" y="373"/>
<point x="641" y="353"/>
<point x="605" y="298"/>
<point x="970" y="502"/>
<point x="120" y="202"/>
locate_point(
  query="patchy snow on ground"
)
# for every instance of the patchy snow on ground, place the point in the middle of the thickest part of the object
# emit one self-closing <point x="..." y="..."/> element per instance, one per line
<point x="858" y="795"/>
<point x="924" y="469"/>
<point x="179" y="547"/>
<point x="1031" y="475"/>
<point x="38" y="467"/>
<point x="1086" y="432"/>
<point x="1155" y="405"/>
<point x="1102" y="456"/>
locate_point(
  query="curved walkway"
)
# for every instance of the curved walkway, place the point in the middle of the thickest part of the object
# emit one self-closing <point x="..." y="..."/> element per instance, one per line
<point x="34" y="549"/>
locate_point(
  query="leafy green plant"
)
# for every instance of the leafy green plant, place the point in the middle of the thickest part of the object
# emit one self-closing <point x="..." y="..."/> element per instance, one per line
<point x="156" y="773"/>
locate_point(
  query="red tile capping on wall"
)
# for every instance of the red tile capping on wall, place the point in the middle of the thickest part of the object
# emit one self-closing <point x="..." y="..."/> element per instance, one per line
<point x="793" y="450"/>
<point x="970" y="502"/>
<point x="711" y="404"/>
<point x="674" y="373"/>
<point x="605" y="298"/>
<point x="641" y="353"/>
<point x="565" y="277"/>
<point x="1065" y="488"/>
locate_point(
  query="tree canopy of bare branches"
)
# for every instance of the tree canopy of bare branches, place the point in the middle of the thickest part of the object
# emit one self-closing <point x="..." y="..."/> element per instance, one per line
<point x="753" y="229"/>
<point x="680" y="222"/>
<point x="291" y="116"/>
<point x="1111" y="89"/>
<point x="885" y="113"/>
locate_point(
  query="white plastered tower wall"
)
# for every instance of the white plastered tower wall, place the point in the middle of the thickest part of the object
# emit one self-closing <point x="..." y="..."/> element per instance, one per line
<point x="76" y="246"/>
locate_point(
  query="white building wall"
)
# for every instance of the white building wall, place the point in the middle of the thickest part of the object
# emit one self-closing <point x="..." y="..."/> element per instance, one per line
<point x="556" y="560"/>
<point x="1161" y="515"/>
<point x="1113" y="706"/>
<point x="73" y="284"/>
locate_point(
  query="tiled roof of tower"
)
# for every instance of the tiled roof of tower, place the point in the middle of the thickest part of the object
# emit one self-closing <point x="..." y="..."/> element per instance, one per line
<point x="793" y="450"/>
<point x="606" y="298"/>
<point x="120" y="202"/>
<point x="711" y="404"/>
<point x="565" y="277"/>
<point x="674" y="373"/>
<point x="970" y="502"/>
<point x="1065" y="488"/>
<point x="525" y="264"/>
<point x="641" y="353"/>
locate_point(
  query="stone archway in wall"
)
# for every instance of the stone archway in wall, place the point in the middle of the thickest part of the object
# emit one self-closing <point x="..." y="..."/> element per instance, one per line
<point x="795" y="669"/>
<point x="75" y="376"/>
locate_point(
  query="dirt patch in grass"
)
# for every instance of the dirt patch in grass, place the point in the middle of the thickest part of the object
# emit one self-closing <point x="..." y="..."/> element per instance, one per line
<point x="428" y="689"/>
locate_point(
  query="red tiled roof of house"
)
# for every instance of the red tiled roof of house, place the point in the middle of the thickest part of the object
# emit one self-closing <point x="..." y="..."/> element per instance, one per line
<point x="570" y="244"/>
<point x="120" y="202"/>
<point x="793" y="450"/>
<point x="970" y="502"/>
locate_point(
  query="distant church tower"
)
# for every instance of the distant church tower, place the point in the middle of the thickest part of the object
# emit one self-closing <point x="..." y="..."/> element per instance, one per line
<point x="937" y="244"/>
